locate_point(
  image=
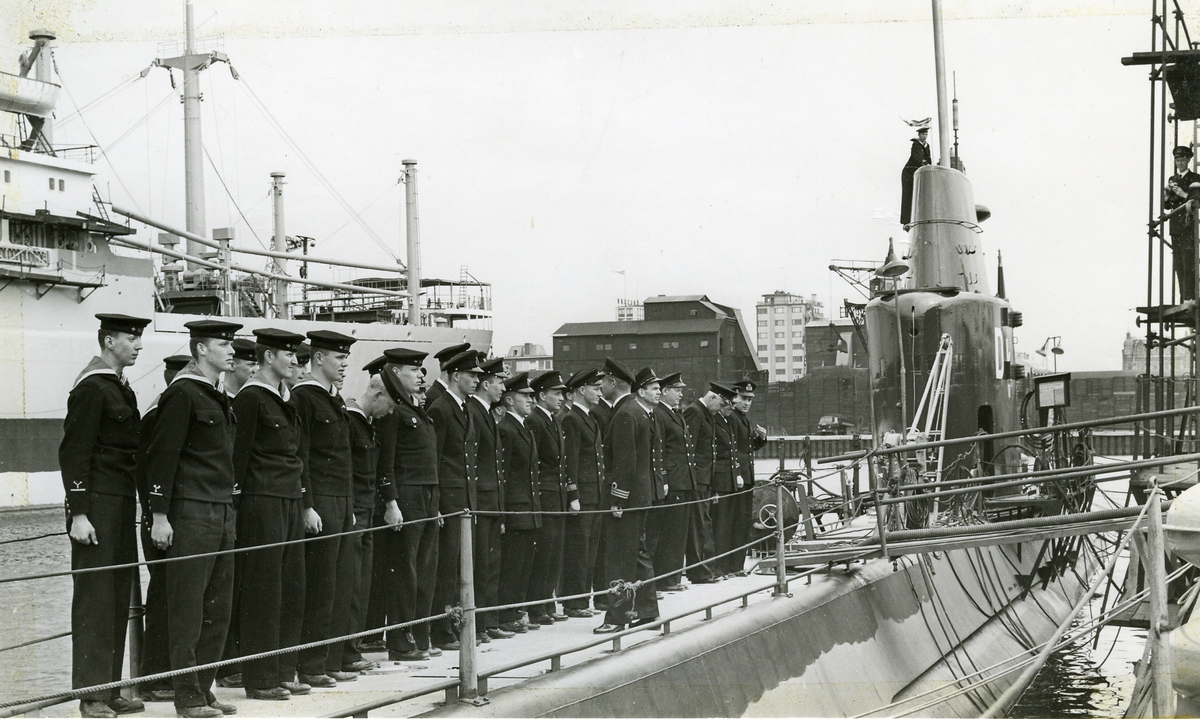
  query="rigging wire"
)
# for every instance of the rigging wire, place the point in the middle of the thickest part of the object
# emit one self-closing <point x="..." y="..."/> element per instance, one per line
<point x="369" y="206"/>
<point x="132" y="128"/>
<point x="231" y="198"/>
<point x="122" y="85"/>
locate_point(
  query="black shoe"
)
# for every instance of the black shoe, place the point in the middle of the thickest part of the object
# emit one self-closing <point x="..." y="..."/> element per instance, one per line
<point x="412" y="655"/>
<point x="500" y="633"/>
<point x="580" y="613"/>
<point x="607" y="628"/>
<point x="296" y="688"/>
<point x="274" y="694"/>
<point x="321" y="681"/>
<point x="706" y="580"/>
<point x="230" y="681"/>
<point x="158" y="695"/>
<point x="545" y="620"/>
<point x="204" y="712"/>
<point x="533" y="626"/>
<point x="434" y="651"/>
<point x="516" y="627"/>
<point x="482" y="638"/>
<point x="450" y="646"/>
<point x="643" y="622"/>
<point x="377" y="645"/>
<point x="557" y="617"/>
<point x="226" y="709"/>
<point x="659" y="595"/>
<point x="343" y="676"/>
<point x="674" y="588"/>
<point x="95" y="708"/>
<point x="121" y="705"/>
<point x="362" y="665"/>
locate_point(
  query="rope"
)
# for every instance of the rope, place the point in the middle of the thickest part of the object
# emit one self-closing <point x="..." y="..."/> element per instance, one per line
<point x="30" y="539"/>
<point x="715" y="499"/>
<point x="31" y="642"/>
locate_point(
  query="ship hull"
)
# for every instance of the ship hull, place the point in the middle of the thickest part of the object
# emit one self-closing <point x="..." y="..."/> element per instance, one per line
<point x="848" y="643"/>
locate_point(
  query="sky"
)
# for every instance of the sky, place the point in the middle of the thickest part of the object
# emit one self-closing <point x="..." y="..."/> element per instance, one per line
<point x="575" y="153"/>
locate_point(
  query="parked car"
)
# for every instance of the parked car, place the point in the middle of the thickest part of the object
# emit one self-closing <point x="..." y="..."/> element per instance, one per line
<point x="833" y="424"/>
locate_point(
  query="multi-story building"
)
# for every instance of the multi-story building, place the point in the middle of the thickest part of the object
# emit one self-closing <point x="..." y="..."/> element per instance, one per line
<point x="782" y="319"/>
<point x="691" y="334"/>
<point x="527" y="357"/>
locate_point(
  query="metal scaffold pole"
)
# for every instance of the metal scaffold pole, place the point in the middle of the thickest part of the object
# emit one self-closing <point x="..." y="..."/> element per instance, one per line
<point x="468" y="675"/>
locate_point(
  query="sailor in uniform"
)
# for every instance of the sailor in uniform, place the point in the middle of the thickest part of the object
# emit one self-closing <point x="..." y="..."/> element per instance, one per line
<point x="614" y="390"/>
<point x="522" y="497"/>
<point x="190" y="468"/>
<point x="701" y="418"/>
<point x="442" y="383"/>
<point x="98" y="457"/>
<point x="634" y="437"/>
<point x="328" y="473"/>
<point x="244" y="364"/>
<point x="156" y="655"/>
<point x="1183" y="187"/>
<point x="668" y="525"/>
<point x="726" y="481"/>
<point x="918" y="157"/>
<point x="584" y="447"/>
<point x="408" y="459"/>
<point x="558" y="494"/>
<point x="457" y="449"/>
<point x="489" y="497"/>
<point x="270" y="509"/>
<point x="747" y="440"/>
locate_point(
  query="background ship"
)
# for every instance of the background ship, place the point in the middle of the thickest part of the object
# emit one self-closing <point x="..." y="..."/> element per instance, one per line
<point x="65" y="255"/>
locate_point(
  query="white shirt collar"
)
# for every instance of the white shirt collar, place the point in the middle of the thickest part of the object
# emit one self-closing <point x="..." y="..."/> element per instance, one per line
<point x="517" y="417"/>
<point x="454" y="397"/>
<point x="585" y="409"/>
<point x="545" y="411"/>
<point x="481" y="401"/>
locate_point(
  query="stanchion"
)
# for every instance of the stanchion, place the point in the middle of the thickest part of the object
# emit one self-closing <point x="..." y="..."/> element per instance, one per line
<point x="880" y="507"/>
<point x="781" y="589"/>
<point x="468" y="678"/>
<point x="1160" y="630"/>
<point x="137" y="630"/>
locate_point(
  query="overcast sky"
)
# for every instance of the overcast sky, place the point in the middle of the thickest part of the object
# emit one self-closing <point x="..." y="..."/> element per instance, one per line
<point x="722" y="148"/>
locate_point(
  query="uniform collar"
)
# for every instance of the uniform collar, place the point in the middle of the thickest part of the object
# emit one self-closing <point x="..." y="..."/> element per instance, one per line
<point x="519" y="418"/>
<point x="545" y="411"/>
<point x="351" y="407"/>
<point x="456" y="399"/>
<point x="98" y="367"/>
<point x="482" y="402"/>
<point x="256" y="382"/>
<point x="332" y="391"/>
<point x="190" y="371"/>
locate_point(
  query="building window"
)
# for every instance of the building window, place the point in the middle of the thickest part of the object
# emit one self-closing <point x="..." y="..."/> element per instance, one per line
<point x="779" y="347"/>
<point x="780" y="334"/>
<point x="762" y="323"/>
<point x="761" y="348"/>
<point x="797" y="334"/>
<point x="798" y="321"/>
<point x="566" y="348"/>
<point x="780" y="310"/>
<point x="762" y="310"/>
<point x="797" y="347"/>
<point x="780" y="323"/>
<point x="762" y="359"/>
<point x="692" y="313"/>
<point x="674" y="345"/>
<point x="761" y="336"/>
<point x="704" y="343"/>
<point x="608" y="347"/>
<point x="51" y="183"/>
<point x="780" y="371"/>
<point x="7" y="176"/>
<point x="62" y="185"/>
<point x="633" y="345"/>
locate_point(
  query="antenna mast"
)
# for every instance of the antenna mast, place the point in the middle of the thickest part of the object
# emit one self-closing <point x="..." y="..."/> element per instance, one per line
<point x="939" y="58"/>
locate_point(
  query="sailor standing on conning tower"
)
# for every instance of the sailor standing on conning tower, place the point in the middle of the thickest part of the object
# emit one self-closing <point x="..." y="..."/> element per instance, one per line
<point x="919" y="157"/>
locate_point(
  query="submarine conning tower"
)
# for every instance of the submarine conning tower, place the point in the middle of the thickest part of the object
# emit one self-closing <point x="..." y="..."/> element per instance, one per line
<point x="944" y="247"/>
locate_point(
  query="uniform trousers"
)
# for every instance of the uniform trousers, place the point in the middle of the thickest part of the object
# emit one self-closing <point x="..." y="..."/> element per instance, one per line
<point x="100" y="602"/>
<point x="377" y="603"/>
<point x="624" y="540"/>
<point x="199" y="594"/>
<point x="411" y="560"/>
<point x="666" y="535"/>
<point x="270" y="587"/>
<point x="599" y="583"/>
<point x="156" y="653"/>
<point x="487" y="538"/>
<point x="355" y="572"/>
<point x="518" y="547"/>
<point x="701" y="545"/>
<point x="446" y="594"/>
<point x="724" y="517"/>
<point x="1183" y="257"/>
<point x="741" y="509"/>
<point x="324" y="591"/>
<point x="580" y="546"/>
<point x="548" y="557"/>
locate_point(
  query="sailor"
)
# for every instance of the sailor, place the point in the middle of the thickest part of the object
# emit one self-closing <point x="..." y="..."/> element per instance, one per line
<point x="633" y="437"/>
<point x="190" y="468"/>
<point x="487" y="530"/>
<point x="156" y="655"/>
<point x="584" y="448"/>
<point x="701" y="417"/>
<point x="98" y="457"/>
<point x="747" y="440"/>
<point x="558" y="494"/>
<point x="1183" y="188"/>
<point x="408" y="459"/>
<point x="371" y="406"/>
<point x="457" y="448"/>
<point x="667" y="527"/>
<point x="917" y="158"/>
<point x="614" y="390"/>
<point x="522" y="499"/>
<point x="442" y="383"/>
<point x="244" y="364"/>
<point x="303" y="357"/>
<point x="377" y="602"/>
<point x="328" y="473"/>
<point x="271" y="509"/>
<point x="727" y="480"/>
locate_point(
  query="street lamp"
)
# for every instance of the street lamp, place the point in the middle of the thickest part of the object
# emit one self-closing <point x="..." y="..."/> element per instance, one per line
<point x="1052" y="345"/>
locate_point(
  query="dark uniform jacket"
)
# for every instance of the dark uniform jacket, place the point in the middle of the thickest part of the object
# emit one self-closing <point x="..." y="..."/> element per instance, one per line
<point x="100" y="437"/>
<point x="384" y="427"/>
<point x="266" y="454"/>
<point x="584" y="446"/>
<point x="552" y="475"/>
<point x="725" y="462"/>
<point x="457" y="448"/>
<point x="408" y="457"/>
<point x="145" y="433"/>
<point x="746" y="443"/>
<point x="679" y="452"/>
<point x="1181" y="222"/>
<point x="437" y="389"/>
<point x="488" y="460"/>
<point x="191" y="450"/>
<point x="604" y="415"/>
<point x="520" y="465"/>
<point x="634" y="435"/>
<point x="700" y="425"/>
<point x="324" y="440"/>
<point x="364" y="458"/>
<point x="918" y="157"/>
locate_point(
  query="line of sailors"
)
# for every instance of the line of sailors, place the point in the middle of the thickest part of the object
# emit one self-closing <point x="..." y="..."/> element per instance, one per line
<point x="245" y="449"/>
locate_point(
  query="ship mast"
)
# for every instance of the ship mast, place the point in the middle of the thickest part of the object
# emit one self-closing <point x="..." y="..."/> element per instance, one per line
<point x="939" y="59"/>
<point x="413" y="236"/>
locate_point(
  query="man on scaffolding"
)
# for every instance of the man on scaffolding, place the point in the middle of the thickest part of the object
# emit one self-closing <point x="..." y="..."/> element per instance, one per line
<point x="1180" y="198"/>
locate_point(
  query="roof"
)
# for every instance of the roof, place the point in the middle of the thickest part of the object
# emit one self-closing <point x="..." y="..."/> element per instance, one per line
<point x="642" y="327"/>
<point x="677" y="298"/>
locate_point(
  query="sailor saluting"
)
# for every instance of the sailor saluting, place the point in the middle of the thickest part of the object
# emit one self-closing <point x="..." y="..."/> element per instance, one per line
<point x="98" y="459"/>
<point x="1183" y="187"/>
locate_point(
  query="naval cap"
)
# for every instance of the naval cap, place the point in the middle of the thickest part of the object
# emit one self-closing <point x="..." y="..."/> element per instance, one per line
<point x="548" y="380"/>
<point x="645" y="376"/>
<point x="1182" y="151"/>
<point x="243" y="349"/>
<point x="332" y="341"/>
<point x="446" y="353"/>
<point x="494" y="366"/>
<point x="375" y="366"/>
<point x="722" y="390"/>
<point x="212" y="329"/>
<point x="745" y="387"/>
<point x="467" y="361"/>
<point x="518" y="383"/>
<point x="584" y="377"/>
<point x="122" y="323"/>
<point x="277" y="339"/>
<point x="177" y="362"/>
<point x="405" y="356"/>
<point x="675" y="379"/>
<point x="618" y="370"/>
<point x="303" y="352"/>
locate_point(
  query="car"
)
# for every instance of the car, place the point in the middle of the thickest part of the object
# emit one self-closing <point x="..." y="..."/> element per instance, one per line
<point x="833" y="424"/>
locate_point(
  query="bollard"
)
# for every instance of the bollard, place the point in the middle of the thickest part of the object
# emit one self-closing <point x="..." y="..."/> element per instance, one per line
<point x="780" y="542"/>
<point x="468" y="678"/>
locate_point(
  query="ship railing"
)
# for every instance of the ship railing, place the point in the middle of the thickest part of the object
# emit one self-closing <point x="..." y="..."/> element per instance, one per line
<point x="24" y="255"/>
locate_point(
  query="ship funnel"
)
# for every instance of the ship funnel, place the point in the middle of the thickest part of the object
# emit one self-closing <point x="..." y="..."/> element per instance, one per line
<point x="892" y="265"/>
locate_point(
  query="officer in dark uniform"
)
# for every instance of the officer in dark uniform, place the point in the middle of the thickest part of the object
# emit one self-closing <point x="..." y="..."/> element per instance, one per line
<point x="408" y="458"/>
<point x="98" y="457"/>
<point x="487" y="530"/>
<point x="917" y="158"/>
<point x="726" y="480"/>
<point x="156" y="653"/>
<point x="584" y="448"/>
<point x="329" y="475"/>
<point x="442" y="383"/>
<point x="268" y="469"/>
<point x="372" y="406"/>
<point x="700" y="417"/>
<point x="1182" y="188"/>
<point x="376" y="610"/>
<point x="746" y="440"/>
<point x="634" y="436"/>
<point x="244" y="364"/>
<point x="190" y="469"/>
<point x="558" y="494"/>
<point x="457" y="448"/>
<point x="522" y="496"/>
<point x="614" y="390"/>
<point x="667" y="527"/>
